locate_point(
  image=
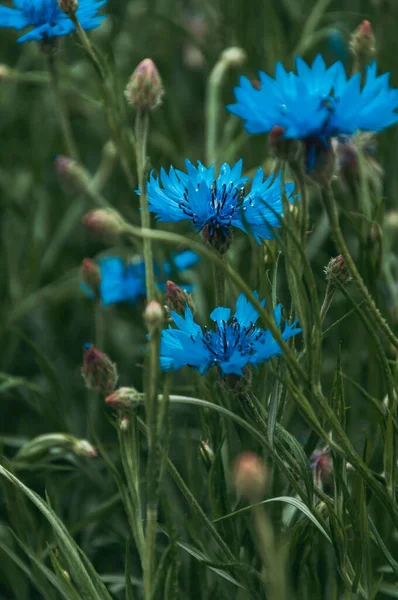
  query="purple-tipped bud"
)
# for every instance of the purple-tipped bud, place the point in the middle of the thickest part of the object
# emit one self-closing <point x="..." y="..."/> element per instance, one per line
<point x="124" y="397"/>
<point x="322" y="466"/>
<point x="363" y="41"/>
<point x="177" y="298"/>
<point x="144" y="90"/>
<point x="104" y="222"/>
<point x="69" y="7"/>
<point x="74" y="177"/>
<point x="337" y="268"/>
<point x="91" y="275"/>
<point x="98" y="371"/>
<point x="154" y="315"/>
<point x="250" y="476"/>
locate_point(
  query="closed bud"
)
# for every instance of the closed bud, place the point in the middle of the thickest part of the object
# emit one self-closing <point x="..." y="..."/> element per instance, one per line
<point x="74" y="177"/>
<point x="206" y="453"/>
<point x="53" y="443"/>
<point x="69" y="7"/>
<point x="363" y="42"/>
<point x="84" y="448"/>
<point x="234" y="56"/>
<point x="144" y="90"/>
<point x="98" y="371"/>
<point x="91" y="275"/>
<point x="105" y="222"/>
<point x="177" y="299"/>
<point x="124" y="423"/>
<point x="124" y="397"/>
<point x="250" y="476"/>
<point x="322" y="467"/>
<point x="337" y="268"/>
<point x="154" y="315"/>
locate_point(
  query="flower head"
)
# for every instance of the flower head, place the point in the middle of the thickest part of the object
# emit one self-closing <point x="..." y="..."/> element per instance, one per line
<point x="215" y="204"/>
<point x="125" y="282"/>
<point x="317" y="102"/>
<point x="234" y="343"/>
<point x="46" y="18"/>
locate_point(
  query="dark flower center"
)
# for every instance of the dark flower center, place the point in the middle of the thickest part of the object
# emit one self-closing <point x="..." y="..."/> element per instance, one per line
<point x="229" y="338"/>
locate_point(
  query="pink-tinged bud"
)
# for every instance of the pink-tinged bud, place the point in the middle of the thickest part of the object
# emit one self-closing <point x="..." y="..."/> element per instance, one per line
<point x="105" y="222"/>
<point x="91" y="275"/>
<point x="250" y="476"/>
<point x="256" y="84"/>
<point x="154" y="315"/>
<point x="124" y="397"/>
<point x="177" y="298"/>
<point x="73" y="176"/>
<point x="337" y="269"/>
<point x="322" y="467"/>
<point x="363" y="42"/>
<point x="98" y="371"/>
<point x="84" y="448"/>
<point x="144" y="90"/>
<point x="69" y="7"/>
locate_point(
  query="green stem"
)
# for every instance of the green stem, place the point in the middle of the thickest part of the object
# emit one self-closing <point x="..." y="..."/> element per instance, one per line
<point x="99" y="324"/>
<point x="219" y="285"/>
<point x="327" y="301"/>
<point x="331" y="209"/>
<point x="212" y="109"/>
<point x="70" y="145"/>
<point x="141" y="133"/>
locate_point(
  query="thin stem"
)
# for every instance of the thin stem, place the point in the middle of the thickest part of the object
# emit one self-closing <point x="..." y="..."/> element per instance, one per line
<point x="327" y="301"/>
<point x="212" y="108"/>
<point x="70" y="145"/>
<point x="331" y="209"/>
<point x="99" y="324"/>
<point x="219" y="285"/>
<point x="141" y="133"/>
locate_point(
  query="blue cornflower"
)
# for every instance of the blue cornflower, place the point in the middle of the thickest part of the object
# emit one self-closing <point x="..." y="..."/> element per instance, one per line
<point x="121" y="282"/>
<point x="47" y="19"/>
<point x="234" y="343"/>
<point x="215" y="204"/>
<point x="317" y="102"/>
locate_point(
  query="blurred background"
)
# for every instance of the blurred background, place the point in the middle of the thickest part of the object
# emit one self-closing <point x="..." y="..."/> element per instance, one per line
<point x="45" y="316"/>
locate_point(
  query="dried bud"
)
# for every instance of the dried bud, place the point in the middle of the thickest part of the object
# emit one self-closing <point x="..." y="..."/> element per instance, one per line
<point x="337" y="268"/>
<point x="124" y="397"/>
<point x="363" y="42"/>
<point x="234" y="56"/>
<point x="154" y="315"/>
<point x="91" y="275"/>
<point x="322" y="466"/>
<point x="105" y="222"/>
<point x="144" y="90"/>
<point x="206" y="453"/>
<point x="98" y="371"/>
<point x="177" y="298"/>
<point x="84" y="448"/>
<point x="250" y="476"/>
<point x="69" y="7"/>
<point x="73" y="176"/>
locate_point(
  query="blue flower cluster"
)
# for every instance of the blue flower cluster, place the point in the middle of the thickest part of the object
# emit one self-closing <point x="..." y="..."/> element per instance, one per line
<point x="317" y="102"/>
<point x="121" y="282"/>
<point x="235" y="342"/>
<point x="46" y="18"/>
<point x="219" y="203"/>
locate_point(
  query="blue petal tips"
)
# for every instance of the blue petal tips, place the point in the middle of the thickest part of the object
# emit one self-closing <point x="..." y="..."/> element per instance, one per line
<point x="215" y="204"/>
<point x="234" y="343"/>
<point x="46" y="18"/>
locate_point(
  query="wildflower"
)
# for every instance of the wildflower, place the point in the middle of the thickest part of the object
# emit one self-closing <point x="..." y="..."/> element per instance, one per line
<point x="47" y="19"/>
<point x="234" y="343"/>
<point x="317" y="103"/>
<point x="144" y="90"/>
<point x="98" y="371"/>
<point x="125" y="282"/>
<point x="250" y="476"/>
<point x="215" y="204"/>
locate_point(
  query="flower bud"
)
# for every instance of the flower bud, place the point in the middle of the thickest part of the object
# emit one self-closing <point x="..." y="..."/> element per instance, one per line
<point x="74" y="177"/>
<point x="337" y="268"/>
<point x="5" y="72"/>
<point x="177" y="298"/>
<point x="51" y="443"/>
<point x="98" y="371"/>
<point x="154" y="315"/>
<point x="91" y="275"/>
<point x="234" y="56"/>
<point x="69" y="7"/>
<point x="124" y="397"/>
<point x="84" y="448"/>
<point x="322" y="466"/>
<point x="105" y="222"/>
<point x="206" y="453"/>
<point x="124" y="423"/>
<point x="144" y="90"/>
<point x="250" y="476"/>
<point x="363" y="42"/>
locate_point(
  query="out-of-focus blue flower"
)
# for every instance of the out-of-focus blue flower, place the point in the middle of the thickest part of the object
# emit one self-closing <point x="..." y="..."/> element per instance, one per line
<point x="219" y="203"/>
<point x="317" y="102"/>
<point x="234" y="343"/>
<point x="46" y="18"/>
<point x="121" y="282"/>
